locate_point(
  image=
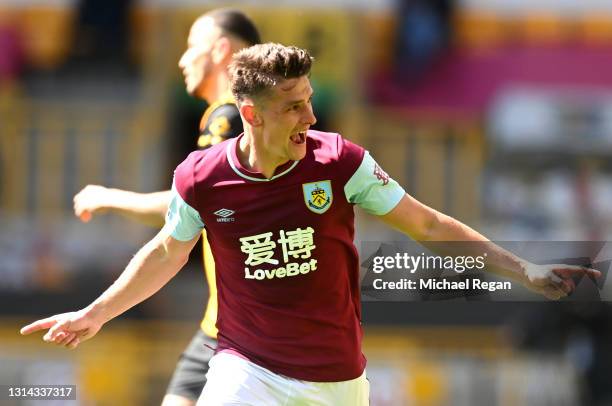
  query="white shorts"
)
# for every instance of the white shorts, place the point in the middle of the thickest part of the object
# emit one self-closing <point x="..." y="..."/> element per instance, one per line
<point x="232" y="380"/>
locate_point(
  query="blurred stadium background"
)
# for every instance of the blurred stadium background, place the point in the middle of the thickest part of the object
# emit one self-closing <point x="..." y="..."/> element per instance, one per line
<point x="496" y="112"/>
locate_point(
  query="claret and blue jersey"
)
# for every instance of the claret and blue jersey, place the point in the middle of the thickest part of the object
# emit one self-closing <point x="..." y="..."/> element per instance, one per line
<point x="286" y="267"/>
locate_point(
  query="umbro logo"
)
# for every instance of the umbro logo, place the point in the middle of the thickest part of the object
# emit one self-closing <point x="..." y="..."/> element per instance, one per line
<point x="223" y="215"/>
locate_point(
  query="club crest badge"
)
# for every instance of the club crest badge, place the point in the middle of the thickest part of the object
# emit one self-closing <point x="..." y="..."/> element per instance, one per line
<point x="318" y="196"/>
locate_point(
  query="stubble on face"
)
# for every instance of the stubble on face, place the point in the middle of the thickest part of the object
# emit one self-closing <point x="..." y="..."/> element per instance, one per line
<point x="289" y="117"/>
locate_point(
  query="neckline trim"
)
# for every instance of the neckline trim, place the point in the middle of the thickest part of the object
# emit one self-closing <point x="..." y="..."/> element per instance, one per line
<point x="231" y="156"/>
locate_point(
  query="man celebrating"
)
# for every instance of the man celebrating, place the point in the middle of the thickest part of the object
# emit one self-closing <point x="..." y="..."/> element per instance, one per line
<point x="213" y="39"/>
<point x="277" y="203"/>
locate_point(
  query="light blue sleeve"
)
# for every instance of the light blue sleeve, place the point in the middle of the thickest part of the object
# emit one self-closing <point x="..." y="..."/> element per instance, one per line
<point x="182" y="221"/>
<point x="372" y="189"/>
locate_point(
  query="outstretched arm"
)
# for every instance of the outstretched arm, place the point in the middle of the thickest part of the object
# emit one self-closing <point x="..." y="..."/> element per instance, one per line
<point x="146" y="208"/>
<point x="423" y="223"/>
<point x="150" y="269"/>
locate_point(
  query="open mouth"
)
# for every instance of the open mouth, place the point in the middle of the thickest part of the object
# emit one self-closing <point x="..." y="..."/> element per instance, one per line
<point x="299" y="137"/>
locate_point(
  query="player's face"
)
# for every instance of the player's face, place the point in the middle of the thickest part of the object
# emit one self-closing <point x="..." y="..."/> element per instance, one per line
<point x="287" y="115"/>
<point x="196" y="63"/>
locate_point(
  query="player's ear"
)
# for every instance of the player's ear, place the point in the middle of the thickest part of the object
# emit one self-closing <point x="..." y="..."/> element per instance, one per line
<point x="221" y="50"/>
<point x="250" y="114"/>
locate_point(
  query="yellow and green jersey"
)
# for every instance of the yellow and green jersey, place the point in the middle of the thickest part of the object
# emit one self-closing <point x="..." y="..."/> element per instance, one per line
<point x="220" y="121"/>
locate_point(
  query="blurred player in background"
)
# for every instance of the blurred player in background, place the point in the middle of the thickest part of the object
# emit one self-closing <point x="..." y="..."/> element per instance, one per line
<point x="213" y="39"/>
<point x="277" y="203"/>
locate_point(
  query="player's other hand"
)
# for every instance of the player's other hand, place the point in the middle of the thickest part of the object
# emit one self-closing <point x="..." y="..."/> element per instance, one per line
<point x="92" y="199"/>
<point x="66" y="329"/>
<point x="555" y="281"/>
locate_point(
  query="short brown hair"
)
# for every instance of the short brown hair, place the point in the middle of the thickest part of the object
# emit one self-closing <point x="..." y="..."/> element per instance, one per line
<point x="258" y="68"/>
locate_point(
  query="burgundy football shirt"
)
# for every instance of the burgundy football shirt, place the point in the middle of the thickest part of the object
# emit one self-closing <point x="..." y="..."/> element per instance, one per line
<point x="286" y="267"/>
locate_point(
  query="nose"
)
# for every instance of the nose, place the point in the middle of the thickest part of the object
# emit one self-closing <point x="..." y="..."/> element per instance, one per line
<point x="309" y="117"/>
<point x="181" y="62"/>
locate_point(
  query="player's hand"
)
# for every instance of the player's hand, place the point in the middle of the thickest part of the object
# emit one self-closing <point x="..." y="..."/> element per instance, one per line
<point x="92" y="199"/>
<point x="555" y="281"/>
<point x="66" y="329"/>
